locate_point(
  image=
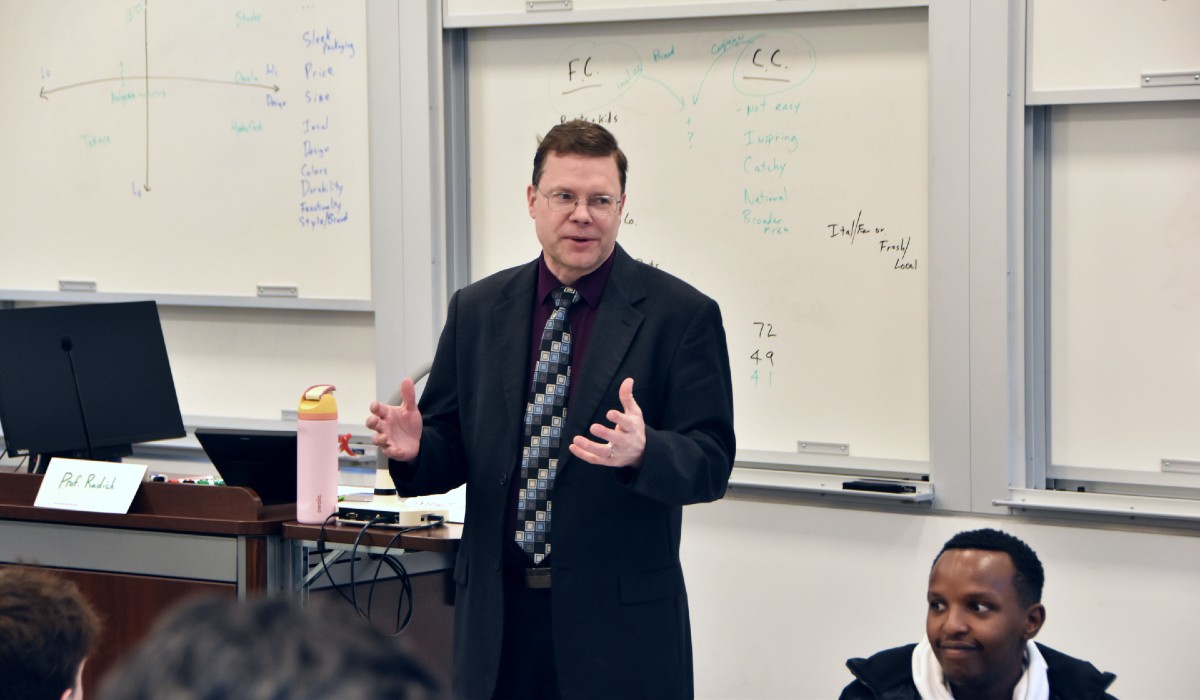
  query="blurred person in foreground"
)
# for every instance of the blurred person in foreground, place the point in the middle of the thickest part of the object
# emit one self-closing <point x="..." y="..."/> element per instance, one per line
<point x="47" y="631"/>
<point x="267" y="649"/>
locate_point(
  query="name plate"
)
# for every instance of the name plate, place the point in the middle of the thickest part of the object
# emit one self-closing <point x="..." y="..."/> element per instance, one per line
<point x="96" y="487"/>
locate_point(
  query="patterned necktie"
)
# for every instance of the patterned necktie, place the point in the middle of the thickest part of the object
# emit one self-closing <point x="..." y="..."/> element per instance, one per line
<point x="545" y="416"/>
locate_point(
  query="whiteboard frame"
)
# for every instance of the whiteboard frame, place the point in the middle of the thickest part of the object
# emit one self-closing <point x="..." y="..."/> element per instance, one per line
<point x="468" y="20"/>
<point x="1080" y="488"/>
<point x="69" y="293"/>
<point x="1043" y="471"/>
<point x="1095" y="95"/>
<point x="950" y="23"/>
<point x="206" y="300"/>
<point x="408" y="225"/>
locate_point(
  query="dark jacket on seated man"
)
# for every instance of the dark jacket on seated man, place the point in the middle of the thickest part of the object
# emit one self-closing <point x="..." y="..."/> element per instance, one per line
<point x="888" y="676"/>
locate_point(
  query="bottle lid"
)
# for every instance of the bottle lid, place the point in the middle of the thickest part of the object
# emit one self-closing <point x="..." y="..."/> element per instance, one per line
<point x="317" y="403"/>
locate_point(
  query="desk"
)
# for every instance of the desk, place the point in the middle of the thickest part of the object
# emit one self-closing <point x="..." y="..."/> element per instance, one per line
<point x="428" y="557"/>
<point x="177" y="541"/>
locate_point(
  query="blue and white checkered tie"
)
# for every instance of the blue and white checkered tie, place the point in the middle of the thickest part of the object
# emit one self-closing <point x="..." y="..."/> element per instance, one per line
<point x="545" y="418"/>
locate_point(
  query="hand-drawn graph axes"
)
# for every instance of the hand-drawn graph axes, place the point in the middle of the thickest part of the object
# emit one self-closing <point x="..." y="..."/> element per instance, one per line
<point x="146" y="78"/>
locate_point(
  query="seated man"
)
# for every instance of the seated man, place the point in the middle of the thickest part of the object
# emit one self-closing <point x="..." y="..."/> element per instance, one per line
<point x="985" y="592"/>
<point x="47" y="630"/>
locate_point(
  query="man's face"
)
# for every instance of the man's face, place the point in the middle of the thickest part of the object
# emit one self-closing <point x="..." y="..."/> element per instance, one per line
<point x="976" y="623"/>
<point x="578" y="241"/>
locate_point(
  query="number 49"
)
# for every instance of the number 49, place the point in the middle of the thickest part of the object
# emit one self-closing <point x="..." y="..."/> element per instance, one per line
<point x="758" y="356"/>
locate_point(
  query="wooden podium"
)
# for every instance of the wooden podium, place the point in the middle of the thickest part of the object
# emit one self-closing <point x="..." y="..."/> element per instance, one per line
<point x="177" y="541"/>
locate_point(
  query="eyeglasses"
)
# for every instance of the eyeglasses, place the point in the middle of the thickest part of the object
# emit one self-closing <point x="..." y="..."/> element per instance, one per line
<point x="601" y="205"/>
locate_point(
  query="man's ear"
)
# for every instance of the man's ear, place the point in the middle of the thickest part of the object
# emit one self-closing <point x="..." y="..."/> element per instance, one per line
<point x="77" y="690"/>
<point x="1035" y="617"/>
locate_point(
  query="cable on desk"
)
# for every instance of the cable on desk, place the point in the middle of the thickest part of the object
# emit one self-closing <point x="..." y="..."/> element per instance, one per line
<point x="354" y="559"/>
<point x="324" y="566"/>
<point x="391" y="560"/>
<point x="401" y="572"/>
<point x="397" y="567"/>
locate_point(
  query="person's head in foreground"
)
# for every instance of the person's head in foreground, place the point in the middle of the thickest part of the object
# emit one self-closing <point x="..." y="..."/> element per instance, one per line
<point x="267" y="649"/>
<point x="47" y="630"/>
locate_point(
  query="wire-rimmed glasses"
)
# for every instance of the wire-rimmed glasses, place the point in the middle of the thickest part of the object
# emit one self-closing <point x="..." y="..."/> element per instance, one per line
<point x="600" y="205"/>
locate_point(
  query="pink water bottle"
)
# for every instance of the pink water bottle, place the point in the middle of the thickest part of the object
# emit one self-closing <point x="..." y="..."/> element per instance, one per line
<point x="316" y="455"/>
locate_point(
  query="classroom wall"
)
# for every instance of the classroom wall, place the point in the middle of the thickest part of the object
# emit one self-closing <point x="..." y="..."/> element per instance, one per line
<point x="783" y="592"/>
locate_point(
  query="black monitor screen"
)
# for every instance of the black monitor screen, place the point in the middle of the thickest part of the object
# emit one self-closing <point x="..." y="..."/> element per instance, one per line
<point x="103" y="363"/>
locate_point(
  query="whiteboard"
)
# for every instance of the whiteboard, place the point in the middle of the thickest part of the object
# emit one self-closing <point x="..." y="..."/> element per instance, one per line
<point x="778" y="164"/>
<point x="1124" y="288"/>
<point x="1096" y="44"/>
<point x="246" y="165"/>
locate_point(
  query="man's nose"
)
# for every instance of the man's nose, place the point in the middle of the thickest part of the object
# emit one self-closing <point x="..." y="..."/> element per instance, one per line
<point x="956" y="620"/>
<point x="581" y="213"/>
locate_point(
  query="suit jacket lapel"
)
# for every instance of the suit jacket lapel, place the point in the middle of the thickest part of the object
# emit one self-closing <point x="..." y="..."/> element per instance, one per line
<point x="617" y="322"/>
<point x="509" y="336"/>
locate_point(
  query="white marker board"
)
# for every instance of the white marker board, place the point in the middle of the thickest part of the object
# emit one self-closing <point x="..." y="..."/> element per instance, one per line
<point x="779" y="164"/>
<point x="185" y="148"/>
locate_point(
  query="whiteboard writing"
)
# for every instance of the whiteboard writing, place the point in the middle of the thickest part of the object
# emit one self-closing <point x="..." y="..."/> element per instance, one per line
<point x="781" y="169"/>
<point x="202" y="148"/>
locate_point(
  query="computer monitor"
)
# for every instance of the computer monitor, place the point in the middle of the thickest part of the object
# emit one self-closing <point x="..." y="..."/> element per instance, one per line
<point x="85" y="381"/>
<point x="261" y="460"/>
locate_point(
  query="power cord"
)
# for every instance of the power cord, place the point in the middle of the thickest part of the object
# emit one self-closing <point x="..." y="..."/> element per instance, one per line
<point x="398" y="567"/>
<point x="386" y="557"/>
<point x="324" y="565"/>
<point x="353" y="560"/>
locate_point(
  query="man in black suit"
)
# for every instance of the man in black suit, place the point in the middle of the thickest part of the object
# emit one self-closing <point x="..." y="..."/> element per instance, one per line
<point x="596" y="606"/>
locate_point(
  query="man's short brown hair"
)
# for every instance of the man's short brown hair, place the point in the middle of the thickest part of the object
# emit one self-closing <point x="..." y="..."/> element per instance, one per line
<point x="579" y="137"/>
<point x="47" y="629"/>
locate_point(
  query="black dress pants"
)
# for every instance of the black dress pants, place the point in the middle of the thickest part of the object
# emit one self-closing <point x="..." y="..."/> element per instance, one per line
<point x="527" y="659"/>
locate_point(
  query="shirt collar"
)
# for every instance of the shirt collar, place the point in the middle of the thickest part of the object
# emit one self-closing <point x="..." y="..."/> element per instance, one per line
<point x="590" y="286"/>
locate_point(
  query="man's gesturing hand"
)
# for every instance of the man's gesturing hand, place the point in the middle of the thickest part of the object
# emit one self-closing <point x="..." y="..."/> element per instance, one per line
<point x="397" y="428"/>
<point x="623" y="444"/>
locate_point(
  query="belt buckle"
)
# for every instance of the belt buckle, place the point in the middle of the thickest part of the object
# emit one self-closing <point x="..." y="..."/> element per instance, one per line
<point x="537" y="577"/>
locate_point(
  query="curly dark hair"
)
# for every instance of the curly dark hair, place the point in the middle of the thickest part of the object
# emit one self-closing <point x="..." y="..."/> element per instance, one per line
<point x="1029" y="577"/>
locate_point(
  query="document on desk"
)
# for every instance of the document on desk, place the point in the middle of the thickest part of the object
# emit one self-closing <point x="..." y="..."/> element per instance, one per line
<point x="83" y="484"/>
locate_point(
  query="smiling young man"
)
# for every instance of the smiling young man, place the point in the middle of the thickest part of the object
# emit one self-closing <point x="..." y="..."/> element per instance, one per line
<point x="568" y="576"/>
<point x="984" y="598"/>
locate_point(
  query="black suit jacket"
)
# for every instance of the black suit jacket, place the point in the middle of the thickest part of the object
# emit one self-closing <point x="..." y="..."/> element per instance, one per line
<point x="620" y="614"/>
<point x="887" y="675"/>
